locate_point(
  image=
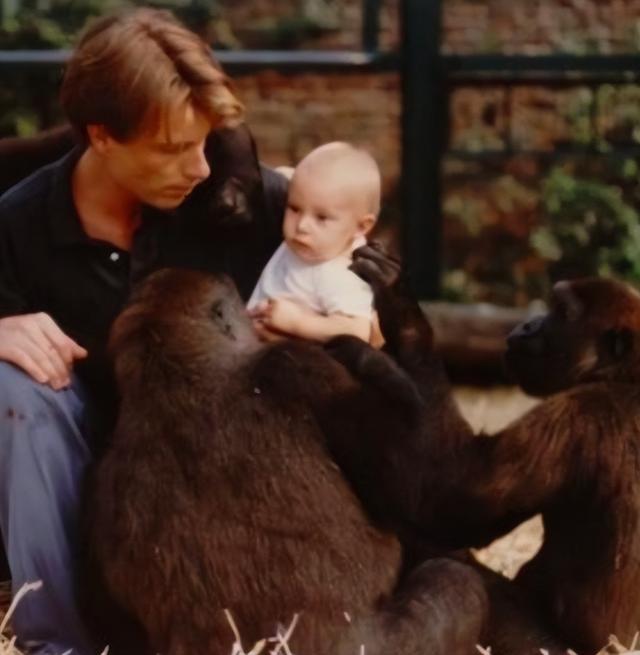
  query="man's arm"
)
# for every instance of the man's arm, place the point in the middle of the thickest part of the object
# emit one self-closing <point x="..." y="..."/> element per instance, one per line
<point x="30" y="340"/>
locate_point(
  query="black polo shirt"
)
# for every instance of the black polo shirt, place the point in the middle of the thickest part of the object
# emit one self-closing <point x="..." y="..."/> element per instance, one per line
<point x="49" y="264"/>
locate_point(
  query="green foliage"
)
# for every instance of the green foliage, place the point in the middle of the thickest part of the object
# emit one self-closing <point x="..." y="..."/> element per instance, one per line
<point x="618" y="111"/>
<point x="286" y="33"/>
<point x="56" y="23"/>
<point x="28" y="96"/>
<point x="590" y="229"/>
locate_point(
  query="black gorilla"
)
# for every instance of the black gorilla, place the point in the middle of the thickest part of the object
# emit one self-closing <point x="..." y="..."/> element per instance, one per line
<point x="575" y="457"/>
<point x="217" y="491"/>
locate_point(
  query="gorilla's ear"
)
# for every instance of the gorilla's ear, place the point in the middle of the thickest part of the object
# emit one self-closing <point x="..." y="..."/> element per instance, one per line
<point x="618" y="343"/>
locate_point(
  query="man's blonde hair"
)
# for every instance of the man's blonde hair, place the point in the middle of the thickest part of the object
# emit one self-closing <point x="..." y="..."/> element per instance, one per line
<point x="132" y="68"/>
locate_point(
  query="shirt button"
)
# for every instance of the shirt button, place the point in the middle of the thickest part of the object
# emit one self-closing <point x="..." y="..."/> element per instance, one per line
<point x="114" y="256"/>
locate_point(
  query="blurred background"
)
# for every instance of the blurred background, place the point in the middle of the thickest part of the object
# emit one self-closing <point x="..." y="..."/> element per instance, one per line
<point x="507" y="131"/>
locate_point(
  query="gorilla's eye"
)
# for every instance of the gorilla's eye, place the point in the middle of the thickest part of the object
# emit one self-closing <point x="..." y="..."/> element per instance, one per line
<point x="217" y="310"/>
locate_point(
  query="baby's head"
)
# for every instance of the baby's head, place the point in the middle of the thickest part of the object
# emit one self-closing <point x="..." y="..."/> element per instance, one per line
<point x="334" y="198"/>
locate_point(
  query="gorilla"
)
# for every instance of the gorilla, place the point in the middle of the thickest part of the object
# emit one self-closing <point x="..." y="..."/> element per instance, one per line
<point x="574" y="458"/>
<point x="217" y="492"/>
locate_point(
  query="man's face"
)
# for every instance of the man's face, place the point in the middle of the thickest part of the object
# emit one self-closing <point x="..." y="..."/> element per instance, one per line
<point x="161" y="166"/>
<point x="322" y="217"/>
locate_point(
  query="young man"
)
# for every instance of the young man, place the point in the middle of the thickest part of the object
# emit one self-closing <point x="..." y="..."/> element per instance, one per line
<point x="144" y="95"/>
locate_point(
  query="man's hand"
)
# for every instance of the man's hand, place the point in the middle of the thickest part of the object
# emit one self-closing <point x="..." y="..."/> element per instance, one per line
<point x="34" y="343"/>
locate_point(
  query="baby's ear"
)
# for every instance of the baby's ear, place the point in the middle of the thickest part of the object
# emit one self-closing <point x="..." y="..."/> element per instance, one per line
<point x="365" y="224"/>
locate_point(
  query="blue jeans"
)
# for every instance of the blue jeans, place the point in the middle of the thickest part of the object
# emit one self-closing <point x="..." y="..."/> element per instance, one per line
<point x="43" y="459"/>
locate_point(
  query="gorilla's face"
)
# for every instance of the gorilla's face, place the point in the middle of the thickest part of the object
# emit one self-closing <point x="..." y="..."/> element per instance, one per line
<point x="181" y="316"/>
<point x="590" y="333"/>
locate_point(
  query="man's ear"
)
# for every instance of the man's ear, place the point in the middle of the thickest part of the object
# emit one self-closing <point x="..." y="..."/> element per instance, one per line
<point x="365" y="224"/>
<point x="99" y="138"/>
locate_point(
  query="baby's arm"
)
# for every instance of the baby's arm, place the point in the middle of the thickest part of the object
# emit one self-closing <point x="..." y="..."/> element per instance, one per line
<point x="292" y="318"/>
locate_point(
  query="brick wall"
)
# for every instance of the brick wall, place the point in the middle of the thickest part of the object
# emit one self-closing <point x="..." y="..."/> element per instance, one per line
<point x="541" y="26"/>
<point x="338" y="21"/>
<point x="469" y="26"/>
<point x="291" y="114"/>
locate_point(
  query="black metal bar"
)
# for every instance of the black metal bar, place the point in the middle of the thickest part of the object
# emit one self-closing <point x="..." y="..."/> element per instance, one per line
<point x="452" y="66"/>
<point x="540" y="69"/>
<point x="526" y="63"/>
<point x="560" y="152"/>
<point x="370" y="25"/>
<point x="424" y="131"/>
<point x="238" y="61"/>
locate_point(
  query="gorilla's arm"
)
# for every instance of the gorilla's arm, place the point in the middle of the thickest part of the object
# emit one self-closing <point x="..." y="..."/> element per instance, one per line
<point x="533" y="465"/>
<point x="419" y="460"/>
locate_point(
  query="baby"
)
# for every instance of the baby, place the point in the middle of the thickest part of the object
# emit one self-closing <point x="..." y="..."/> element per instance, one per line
<point x="306" y="289"/>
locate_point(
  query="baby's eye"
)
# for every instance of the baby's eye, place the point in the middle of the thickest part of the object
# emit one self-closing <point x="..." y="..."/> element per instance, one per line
<point x="323" y="217"/>
<point x="293" y="208"/>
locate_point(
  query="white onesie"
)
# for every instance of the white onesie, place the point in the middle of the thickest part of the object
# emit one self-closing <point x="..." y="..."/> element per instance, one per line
<point x="326" y="287"/>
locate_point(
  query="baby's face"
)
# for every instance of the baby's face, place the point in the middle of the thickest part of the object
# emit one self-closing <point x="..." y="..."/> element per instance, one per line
<point x="324" y="215"/>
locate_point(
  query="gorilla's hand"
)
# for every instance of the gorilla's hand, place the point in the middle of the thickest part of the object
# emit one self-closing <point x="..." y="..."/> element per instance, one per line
<point x="376" y="370"/>
<point x="229" y="203"/>
<point x="348" y="350"/>
<point x="405" y="329"/>
<point x="376" y="266"/>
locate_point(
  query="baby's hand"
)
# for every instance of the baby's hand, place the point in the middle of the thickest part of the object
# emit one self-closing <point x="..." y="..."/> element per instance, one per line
<point x="260" y="310"/>
<point x="283" y="315"/>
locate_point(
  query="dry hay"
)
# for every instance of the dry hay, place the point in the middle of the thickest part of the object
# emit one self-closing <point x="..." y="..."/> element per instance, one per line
<point x="7" y="606"/>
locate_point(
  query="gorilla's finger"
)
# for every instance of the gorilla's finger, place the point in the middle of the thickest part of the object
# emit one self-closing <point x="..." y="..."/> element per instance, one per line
<point x="375" y="266"/>
<point x="346" y="349"/>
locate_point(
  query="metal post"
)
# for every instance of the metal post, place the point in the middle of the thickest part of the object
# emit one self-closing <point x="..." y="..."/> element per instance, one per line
<point x="370" y="25"/>
<point x="424" y="134"/>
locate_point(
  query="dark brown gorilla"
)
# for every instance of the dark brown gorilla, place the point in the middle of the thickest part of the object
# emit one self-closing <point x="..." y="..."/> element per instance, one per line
<point x="217" y="491"/>
<point x="575" y="458"/>
<point x="586" y="351"/>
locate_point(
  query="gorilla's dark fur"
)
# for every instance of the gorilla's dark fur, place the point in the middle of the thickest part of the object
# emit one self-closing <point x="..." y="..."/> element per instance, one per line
<point x="575" y="457"/>
<point x="217" y="492"/>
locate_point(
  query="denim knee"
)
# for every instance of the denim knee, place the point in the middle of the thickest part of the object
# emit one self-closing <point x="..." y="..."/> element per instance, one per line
<point x="18" y="391"/>
<point x="23" y="401"/>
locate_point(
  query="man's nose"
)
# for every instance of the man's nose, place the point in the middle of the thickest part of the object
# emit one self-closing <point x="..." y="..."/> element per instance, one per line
<point x="197" y="167"/>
